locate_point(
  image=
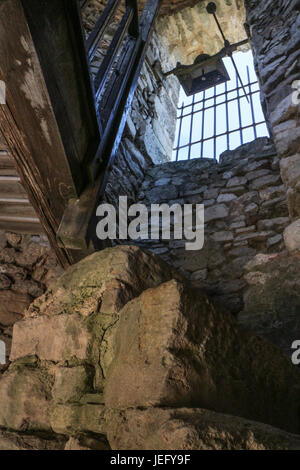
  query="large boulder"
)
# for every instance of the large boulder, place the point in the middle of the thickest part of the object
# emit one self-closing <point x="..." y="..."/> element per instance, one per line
<point x="77" y="316"/>
<point x="121" y="336"/>
<point x="103" y="282"/>
<point x="174" y="348"/>
<point x="24" y="398"/>
<point x="19" y="441"/>
<point x="192" y="429"/>
<point x="67" y="337"/>
<point x="272" y="299"/>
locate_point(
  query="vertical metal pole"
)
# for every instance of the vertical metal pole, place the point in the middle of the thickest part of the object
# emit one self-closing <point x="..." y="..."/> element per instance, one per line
<point x="215" y="123"/>
<point x="191" y="128"/>
<point x="227" y="114"/>
<point x="251" y="104"/>
<point x="179" y="132"/>
<point x="239" y="110"/>
<point x="202" y="131"/>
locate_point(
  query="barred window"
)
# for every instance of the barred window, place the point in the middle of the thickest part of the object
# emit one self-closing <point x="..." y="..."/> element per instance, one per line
<point x="221" y="118"/>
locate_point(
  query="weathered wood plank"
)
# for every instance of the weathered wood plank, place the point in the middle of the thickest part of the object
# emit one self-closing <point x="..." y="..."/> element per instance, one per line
<point x="7" y="166"/>
<point x="15" y="207"/>
<point x="59" y="40"/>
<point x="3" y="145"/>
<point x="11" y="186"/>
<point x="21" y="225"/>
<point x="29" y="124"/>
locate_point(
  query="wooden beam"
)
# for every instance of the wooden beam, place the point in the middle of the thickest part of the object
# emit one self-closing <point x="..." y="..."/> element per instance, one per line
<point x="28" y="124"/>
<point x="48" y="127"/>
<point x="59" y="40"/>
<point x="29" y="225"/>
<point x="78" y="226"/>
<point x="11" y="186"/>
<point x="16" y="207"/>
<point x="7" y="166"/>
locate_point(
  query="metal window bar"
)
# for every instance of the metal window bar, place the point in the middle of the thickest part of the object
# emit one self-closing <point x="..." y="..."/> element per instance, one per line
<point x="204" y="108"/>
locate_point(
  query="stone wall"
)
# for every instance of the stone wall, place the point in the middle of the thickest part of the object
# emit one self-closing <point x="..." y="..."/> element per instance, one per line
<point x="151" y="124"/>
<point x="27" y="267"/>
<point x="136" y="359"/>
<point x="148" y="140"/>
<point x="271" y="302"/>
<point x="180" y="34"/>
<point x="245" y="214"/>
<point x="276" y="47"/>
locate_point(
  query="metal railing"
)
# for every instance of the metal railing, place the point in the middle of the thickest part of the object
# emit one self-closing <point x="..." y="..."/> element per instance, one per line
<point x="252" y="88"/>
<point x="116" y="78"/>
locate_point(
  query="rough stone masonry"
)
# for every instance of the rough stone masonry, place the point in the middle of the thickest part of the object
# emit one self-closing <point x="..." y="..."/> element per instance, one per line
<point x="245" y="214"/>
<point x="135" y="358"/>
<point x="95" y="381"/>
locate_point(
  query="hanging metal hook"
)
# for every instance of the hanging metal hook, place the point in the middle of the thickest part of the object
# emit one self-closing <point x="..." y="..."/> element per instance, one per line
<point x="211" y="9"/>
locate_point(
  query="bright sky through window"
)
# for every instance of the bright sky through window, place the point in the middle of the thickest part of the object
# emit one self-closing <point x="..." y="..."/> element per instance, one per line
<point x="242" y="59"/>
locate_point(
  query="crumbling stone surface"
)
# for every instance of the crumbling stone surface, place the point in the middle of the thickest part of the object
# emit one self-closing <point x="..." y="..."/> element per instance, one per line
<point x="27" y="268"/>
<point x="18" y="441"/>
<point x="25" y="393"/>
<point x="195" y="355"/>
<point x="246" y="213"/>
<point x="179" y="35"/>
<point x="67" y="337"/>
<point x="85" y="442"/>
<point x="272" y="300"/>
<point x="275" y="44"/>
<point x="151" y="123"/>
<point x="138" y="338"/>
<point x="192" y="429"/>
<point x="292" y="238"/>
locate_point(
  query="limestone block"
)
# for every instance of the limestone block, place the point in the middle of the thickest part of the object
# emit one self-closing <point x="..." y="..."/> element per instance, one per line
<point x="216" y="212"/>
<point x="270" y="193"/>
<point x="105" y="280"/>
<point x="164" y="328"/>
<point x="211" y="193"/>
<point x="286" y="137"/>
<point x="276" y="223"/>
<point x="57" y="338"/>
<point x="226" y="198"/>
<point x="272" y="300"/>
<point x="274" y="240"/>
<point x="18" y="441"/>
<point x="237" y="181"/>
<point x="71" y="383"/>
<point x="71" y="419"/>
<point x="251" y="209"/>
<point x="258" y="236"/>
<point x="257" y="174"/>
<point x="290" y="170"/>
<point x="85" y="442"/>
<point x="223" y="236"/>
<point x="264" y="181"/>
<point x="24" y="395"/>
<point x="285" y="110"/>
<point x="293" y="201"/>
<point x="292" y="237"/>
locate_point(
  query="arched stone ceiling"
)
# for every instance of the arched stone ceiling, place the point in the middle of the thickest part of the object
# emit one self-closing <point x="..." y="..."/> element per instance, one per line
<point x="192" y="31"/>
<point x="186" y="27"/>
